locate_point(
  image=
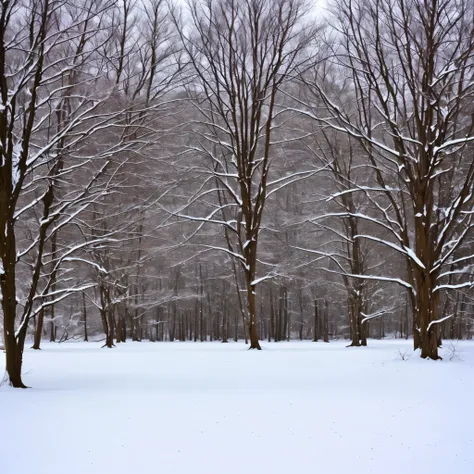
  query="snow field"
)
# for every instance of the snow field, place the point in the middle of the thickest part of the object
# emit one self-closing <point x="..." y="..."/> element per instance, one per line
<point x="191" y="408"/>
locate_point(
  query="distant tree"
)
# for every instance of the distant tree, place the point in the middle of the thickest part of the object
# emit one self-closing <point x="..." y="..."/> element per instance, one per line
<point x="347" y="253"/>
<point x="240" y="54"/>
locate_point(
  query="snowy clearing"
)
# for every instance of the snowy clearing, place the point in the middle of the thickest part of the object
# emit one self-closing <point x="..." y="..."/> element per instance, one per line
<point x="210" y="408"/>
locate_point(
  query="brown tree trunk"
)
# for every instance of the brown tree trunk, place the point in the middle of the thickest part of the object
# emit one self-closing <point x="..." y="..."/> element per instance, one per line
<point x="106" y="316"/>
<point x="224" y="313"/>
<point x="428" y="313"/>
<point x="252" y="321"/>
<point x="426" y="306"/>
<point x="136" y="319"/>
<point x="109" y="339"/>
<point x="111" y="322"/>
<point x="38" y="331"/>
<point x="326" y="321"/>
<point x="201" y="306"/>
<point x="271" y="332"/>
<point x="279" y="318"/>
<point x="84" y="317"/>
<point x="301" y="316"/>
<point x="285" y="313"/>
<point x="316" y="322"/>
<point x="288" y="319"/>
<point x="13" y="345"/>
<point x="14" y="356"/>
<point x="354" y="314"/>
<point x="196" y="320"/>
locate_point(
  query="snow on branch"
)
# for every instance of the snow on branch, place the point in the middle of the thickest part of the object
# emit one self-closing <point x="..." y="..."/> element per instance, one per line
<point x="382" y="278"/>
<point x="438" y="321"/>
<point x="377" y="314"/>
<point x="259" y="280"/>
<point x="466" y="284"/>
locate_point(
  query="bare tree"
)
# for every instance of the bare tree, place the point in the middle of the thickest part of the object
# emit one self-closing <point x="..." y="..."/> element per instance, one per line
<point x="410" y="66"/>
<point x="65" y="117"/>
<point x="341" y="247"/>
<point x="241" y="52"/>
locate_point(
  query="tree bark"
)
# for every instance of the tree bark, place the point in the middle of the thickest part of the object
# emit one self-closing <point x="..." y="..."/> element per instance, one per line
<point x="271" y="332"/>
<point x="84" y="317"/>
<point x="225" y="324"/>
<point x="252" y="318"/>
<point x="316" y="322"/>
<point x="354" y="314"/>
<point x="326" y="321"/>
<point x="38" y="331"/>
<point x="13" y="345"/>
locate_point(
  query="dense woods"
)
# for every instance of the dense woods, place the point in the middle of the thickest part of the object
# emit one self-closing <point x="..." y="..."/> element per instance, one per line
<point x="226" y="169"/>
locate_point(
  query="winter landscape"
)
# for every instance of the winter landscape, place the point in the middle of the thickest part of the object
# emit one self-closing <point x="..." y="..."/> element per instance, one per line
<point x="293" y="407"/>
<point x="236" y="234"/>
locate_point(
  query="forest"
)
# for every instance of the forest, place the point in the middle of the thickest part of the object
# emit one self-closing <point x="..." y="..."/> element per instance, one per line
<point x="226" y="170"/>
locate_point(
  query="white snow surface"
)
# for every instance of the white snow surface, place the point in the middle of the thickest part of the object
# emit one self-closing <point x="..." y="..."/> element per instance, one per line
<point x="190" y="408"/>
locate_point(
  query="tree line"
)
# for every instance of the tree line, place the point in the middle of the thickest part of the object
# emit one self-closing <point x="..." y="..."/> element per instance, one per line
<point x="254" y="169"/>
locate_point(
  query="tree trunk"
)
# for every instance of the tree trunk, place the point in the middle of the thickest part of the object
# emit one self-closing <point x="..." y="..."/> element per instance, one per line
<point x="288" y="319"/>
<point x="14" y="362"/>
<point x="84" y="317"/>
<point x="196" y="320"/>
<point x="301" y="316"/>
<point x="13" y="345"/>
<point x="38" y="331"/>
<point x="201" y="305"/>
<point x="224" y="312"/>
<point x="106" y="317"/>
<point x="326" y="321"/>
<point x="426" y="312"/>
<point x="285" y="313"/>
<point x="271" y="330"/>
<point x="316" y="322"/>
<point x="429" y="335"/>
<point x="109" y="339"/>
<point x="136" y="319"/>
<point x="252" y="321"/>
<point x="354" y="315"/>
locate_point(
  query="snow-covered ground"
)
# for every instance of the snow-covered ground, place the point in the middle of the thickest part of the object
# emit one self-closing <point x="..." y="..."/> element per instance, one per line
<point x="191" y="408"/>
